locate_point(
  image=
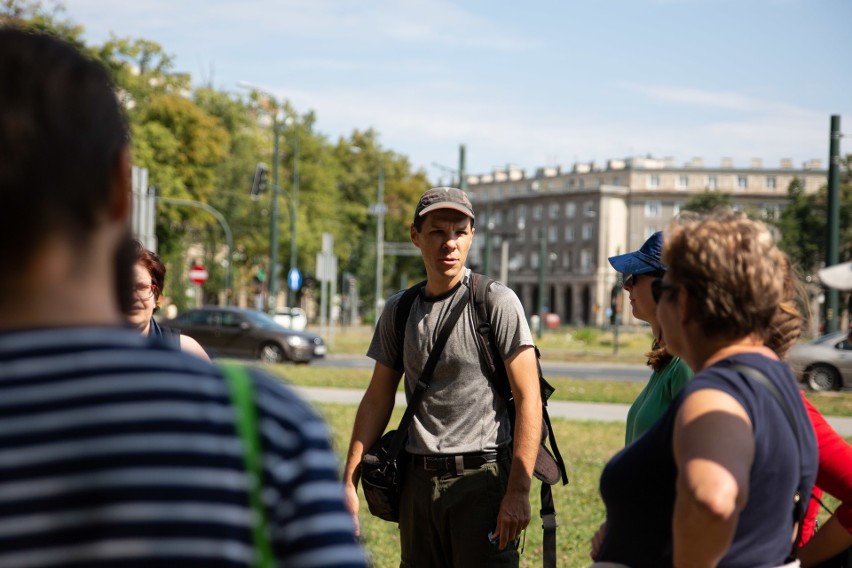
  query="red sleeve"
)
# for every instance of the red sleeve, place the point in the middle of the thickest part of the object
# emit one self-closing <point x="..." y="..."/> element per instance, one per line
<point x="835" y="465"/>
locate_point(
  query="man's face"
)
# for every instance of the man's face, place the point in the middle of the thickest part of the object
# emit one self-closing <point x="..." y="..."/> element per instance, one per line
<point x="444" y="241"/>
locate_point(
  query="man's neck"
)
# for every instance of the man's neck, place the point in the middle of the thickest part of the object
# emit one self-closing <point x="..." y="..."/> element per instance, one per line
<point x="61" y="291"/>
<point x="436" y="286"/>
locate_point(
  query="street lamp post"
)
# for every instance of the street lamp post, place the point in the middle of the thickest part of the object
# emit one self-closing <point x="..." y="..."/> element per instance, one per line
<point x="273" y="230"/>
<point x="293" y="198"/>
<point x="294" y="206"/>
<point x="380" y="241"/>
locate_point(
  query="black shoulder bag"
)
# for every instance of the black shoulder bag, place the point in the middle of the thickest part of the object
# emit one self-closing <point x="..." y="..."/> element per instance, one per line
<point x="381" y="474"/>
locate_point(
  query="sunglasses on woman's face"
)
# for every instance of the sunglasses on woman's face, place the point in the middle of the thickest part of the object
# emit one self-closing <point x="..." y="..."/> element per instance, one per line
<point x="658" y="287"/>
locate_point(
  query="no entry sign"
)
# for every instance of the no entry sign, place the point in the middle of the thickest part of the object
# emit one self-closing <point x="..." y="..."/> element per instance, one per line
<point x="198" y="274"/>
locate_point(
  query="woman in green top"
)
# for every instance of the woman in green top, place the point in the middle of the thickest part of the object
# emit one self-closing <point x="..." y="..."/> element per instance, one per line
<point x="640" y="268"/>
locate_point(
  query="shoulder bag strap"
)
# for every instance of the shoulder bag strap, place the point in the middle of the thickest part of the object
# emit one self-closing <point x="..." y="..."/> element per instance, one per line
<point x="426" y="377"/>
<point x="242" y="400"/>
<point x="759" y="377"/>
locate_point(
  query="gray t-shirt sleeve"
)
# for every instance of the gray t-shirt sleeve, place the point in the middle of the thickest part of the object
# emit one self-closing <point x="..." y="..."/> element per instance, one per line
<point x="508" y="322"/>
<point x="384" y="347"/>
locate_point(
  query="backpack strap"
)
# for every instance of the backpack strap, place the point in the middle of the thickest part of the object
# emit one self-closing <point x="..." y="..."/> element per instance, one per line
<point x="241" y="389"/>
<point x="479" y="288"/>
<point x="403" y="309"/>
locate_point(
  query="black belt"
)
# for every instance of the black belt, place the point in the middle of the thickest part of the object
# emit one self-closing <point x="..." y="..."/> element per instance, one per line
<point x="457" y="464"/>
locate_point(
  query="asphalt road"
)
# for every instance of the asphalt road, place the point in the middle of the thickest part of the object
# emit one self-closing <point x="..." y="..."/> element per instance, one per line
<point x="611" y="371"/>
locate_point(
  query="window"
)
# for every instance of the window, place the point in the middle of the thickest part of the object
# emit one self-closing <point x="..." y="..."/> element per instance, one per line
<point x="534" y="260"/>
<point x="653" y="181"/>
<point x="552" y="234"/>
<point x="570" y="183"/>
<point x="566" y="260"/>
<point x="522" y="234"/>
<point x="770" y="182"/>
<point x="742" y="182"/>
<point x="498" y="218"/>
<point x="600" y="181"/>
<point x="554" y="210"/>
<point x="587" y="231"/>
<point x="589" y="209"/>
<point x="585" y="260"/>
<point x="652" y="209"/>
<point x="537" y="210"/>
<point x="570" y="209"/>
<point x="682" y="182"/>
<point x="712" y="182"/>
<point x="676" y="209"/>
<point x="522" y="212"/>
<point x="580" y="183"/>
<point x="569" y="234"/>
<point x="615" y="180"/>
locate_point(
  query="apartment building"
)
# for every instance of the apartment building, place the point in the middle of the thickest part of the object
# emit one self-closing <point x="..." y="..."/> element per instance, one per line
<point x="559" y="226"/>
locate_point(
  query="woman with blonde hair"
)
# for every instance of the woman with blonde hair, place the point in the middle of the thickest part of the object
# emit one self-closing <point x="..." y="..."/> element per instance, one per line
<point x="703" y="486"/>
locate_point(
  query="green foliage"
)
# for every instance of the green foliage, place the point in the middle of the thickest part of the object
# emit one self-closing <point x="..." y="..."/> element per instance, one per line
<point x="707" y="201"/>
<point x="802" y="223"/>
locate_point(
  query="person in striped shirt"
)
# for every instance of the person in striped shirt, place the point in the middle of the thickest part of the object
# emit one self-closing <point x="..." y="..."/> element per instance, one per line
<point x="114" y="448"/>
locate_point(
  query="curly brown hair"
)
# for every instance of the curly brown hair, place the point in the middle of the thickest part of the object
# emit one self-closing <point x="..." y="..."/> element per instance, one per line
<point x="730" y="266"/>
<point x="788" y="323"/>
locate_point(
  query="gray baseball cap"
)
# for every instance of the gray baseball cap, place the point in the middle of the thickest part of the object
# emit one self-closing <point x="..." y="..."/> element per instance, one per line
<point x="444" y="198"/>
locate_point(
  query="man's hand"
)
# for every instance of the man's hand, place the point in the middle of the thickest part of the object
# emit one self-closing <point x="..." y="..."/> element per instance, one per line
<point x="513" y="518"/>
<point x="350" y="499"/>
<point x="597" y="541"/>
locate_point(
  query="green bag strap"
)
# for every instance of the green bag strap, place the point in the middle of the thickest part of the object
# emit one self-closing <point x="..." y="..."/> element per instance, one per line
<point x="242" y="400"/>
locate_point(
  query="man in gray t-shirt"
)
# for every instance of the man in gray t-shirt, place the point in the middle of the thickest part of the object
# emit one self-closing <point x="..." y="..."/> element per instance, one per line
<point x="452" y="515"/>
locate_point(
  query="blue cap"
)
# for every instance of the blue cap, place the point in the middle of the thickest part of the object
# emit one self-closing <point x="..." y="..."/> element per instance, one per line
<point x="649" y="258"/>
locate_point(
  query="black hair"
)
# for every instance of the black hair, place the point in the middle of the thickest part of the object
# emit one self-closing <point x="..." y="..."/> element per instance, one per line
<point x="61" y="133"/>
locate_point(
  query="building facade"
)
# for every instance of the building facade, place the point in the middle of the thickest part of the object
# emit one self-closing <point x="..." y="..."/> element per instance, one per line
<point x="555" y="230"/>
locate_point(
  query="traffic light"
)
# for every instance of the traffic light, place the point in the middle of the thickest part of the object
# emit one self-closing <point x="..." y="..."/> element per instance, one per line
<point x="261" y="180"/>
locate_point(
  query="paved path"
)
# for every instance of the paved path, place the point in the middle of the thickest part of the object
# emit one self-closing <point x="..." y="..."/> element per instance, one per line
<point x="601" y="411"/>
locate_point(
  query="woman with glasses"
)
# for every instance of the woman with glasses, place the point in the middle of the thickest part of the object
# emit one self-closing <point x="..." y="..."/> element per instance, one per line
<point x="149" y="276"/>
<point x="640" y="268"/>
<point x="722" y="478"/>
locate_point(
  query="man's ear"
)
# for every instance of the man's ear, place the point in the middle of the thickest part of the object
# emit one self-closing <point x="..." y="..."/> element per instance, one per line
<point x="122" y="186"/>
<point x="413" y="234"/>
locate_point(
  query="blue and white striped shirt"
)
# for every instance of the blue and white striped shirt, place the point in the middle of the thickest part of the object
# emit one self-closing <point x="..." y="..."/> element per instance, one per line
<point x="116" y="450"/>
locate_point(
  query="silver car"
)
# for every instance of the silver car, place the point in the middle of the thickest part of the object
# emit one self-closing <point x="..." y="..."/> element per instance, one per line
<point x="824" y="363"/>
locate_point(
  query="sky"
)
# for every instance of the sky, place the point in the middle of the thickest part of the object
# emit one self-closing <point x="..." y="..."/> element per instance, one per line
<point x="534" y="83"/>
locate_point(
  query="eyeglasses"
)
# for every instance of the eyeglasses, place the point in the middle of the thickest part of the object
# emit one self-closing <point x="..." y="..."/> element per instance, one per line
<point x="631" y="279"/>
<point x="145" y="291"/>
<point x="658" y="287"/>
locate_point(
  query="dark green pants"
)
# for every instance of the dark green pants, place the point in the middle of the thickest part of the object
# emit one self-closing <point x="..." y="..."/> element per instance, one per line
<point x="445" y="519"/>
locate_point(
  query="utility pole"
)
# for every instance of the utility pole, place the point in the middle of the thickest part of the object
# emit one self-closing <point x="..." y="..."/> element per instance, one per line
<point x="542" y="257"/>
<point x="462" y="170"/>
<point x="833" y="226"/>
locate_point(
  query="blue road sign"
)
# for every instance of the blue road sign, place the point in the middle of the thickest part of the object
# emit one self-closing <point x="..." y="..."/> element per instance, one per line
<point x="294" y="278"/>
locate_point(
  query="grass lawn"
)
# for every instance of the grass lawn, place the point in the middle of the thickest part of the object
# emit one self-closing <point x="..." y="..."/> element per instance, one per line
<point x="586" y="447"/>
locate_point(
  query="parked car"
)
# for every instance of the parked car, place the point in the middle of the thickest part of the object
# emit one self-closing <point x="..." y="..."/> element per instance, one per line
<point x="291" y="318"/>
<point x="824" y="363"/>
<point x="239" y="332"/>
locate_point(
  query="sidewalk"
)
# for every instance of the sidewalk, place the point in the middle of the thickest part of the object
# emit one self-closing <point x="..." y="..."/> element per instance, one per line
<point x="601" y="411"/>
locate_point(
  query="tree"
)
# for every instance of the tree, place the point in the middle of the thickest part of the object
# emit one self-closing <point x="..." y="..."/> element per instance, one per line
<point x="802" y="223"/>
<point x="707" y="202"/>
